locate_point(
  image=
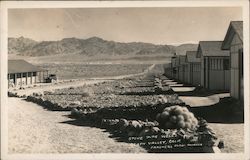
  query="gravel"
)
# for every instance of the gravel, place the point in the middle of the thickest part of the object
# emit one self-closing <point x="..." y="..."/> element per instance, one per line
<point x="232" y="136"/>
<point x="33" y="129"/>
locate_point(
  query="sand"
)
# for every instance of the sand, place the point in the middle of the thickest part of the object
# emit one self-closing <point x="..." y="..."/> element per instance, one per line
<point x="33" y="129"/>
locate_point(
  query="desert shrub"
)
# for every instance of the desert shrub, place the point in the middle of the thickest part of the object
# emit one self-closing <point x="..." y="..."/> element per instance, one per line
<point x="12" y="94"/>
<point x="175" y="117"/>
<point x="138" y="131"/>
<point x="71" y="87"/>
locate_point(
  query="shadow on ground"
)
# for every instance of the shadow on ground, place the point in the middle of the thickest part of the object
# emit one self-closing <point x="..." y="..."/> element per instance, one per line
<point x="201" y="92"/>
<point x="228" y="110"/>
<point x="119" y="136"/>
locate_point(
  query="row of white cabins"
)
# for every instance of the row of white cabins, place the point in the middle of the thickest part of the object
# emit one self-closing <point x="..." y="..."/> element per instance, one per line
<point x="216" y="65"/>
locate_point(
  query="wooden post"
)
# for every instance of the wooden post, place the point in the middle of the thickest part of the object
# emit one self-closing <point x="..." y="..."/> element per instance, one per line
<point x="40" y="79"/>
<point x="15" y="79"/>
<point x="31" y="77"/>
<point x="38" y="76"/>
<point x="26" y="78"/>
<point x="224" y="73"/>
<point x="8" y="80"/>
<point x="191" y="73"/>
<point x="208" y="73"/>
<point x="43" y="76"/>
<point x="21" y="79"/>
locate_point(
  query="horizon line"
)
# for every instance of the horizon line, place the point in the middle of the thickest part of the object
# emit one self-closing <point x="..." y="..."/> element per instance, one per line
<point x="169" y="44"/>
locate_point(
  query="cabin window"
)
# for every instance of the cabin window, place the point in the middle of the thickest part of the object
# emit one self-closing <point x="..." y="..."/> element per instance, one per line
<point x="217" y="64"/>
<point x="34" y="73"/>
<point x="24" y="74"/>
<point x="18" y="75"/>
<point x="12" y="76"/>
<point x="226" y="64"/>
<point x="212" y="64"/>
<point x="29" y="74"/>
<point x="221" y="64"/>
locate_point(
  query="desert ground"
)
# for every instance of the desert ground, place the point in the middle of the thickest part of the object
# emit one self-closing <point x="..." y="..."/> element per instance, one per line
<point x="34" y="129"/>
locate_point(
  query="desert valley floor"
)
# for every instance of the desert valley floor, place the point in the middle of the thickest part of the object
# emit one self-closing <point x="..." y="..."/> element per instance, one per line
<point x="34" y="129"/>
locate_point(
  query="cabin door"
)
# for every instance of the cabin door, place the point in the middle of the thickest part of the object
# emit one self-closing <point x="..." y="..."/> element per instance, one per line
<point x="241" y="80"/>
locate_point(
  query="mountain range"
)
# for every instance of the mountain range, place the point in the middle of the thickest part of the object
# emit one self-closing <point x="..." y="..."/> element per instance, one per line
<point x="93" y="46"/>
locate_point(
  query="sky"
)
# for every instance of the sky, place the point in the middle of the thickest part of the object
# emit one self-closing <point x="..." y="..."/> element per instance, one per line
<point x="152" y="25"/>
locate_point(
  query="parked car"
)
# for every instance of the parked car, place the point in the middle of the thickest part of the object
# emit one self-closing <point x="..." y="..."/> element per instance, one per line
<point x="51" y="78"/>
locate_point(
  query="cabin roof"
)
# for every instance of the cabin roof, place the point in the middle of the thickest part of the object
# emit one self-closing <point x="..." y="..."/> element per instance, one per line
<point x="182" y="59"/>
<point x="235" y="28"/>
<point x="21" y="66"/>
<point x="191" y="56"/>
<point x="212" y="48"/>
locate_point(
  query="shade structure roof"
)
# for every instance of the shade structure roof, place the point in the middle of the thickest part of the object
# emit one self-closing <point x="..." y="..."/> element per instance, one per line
<point x="21" y="66"/>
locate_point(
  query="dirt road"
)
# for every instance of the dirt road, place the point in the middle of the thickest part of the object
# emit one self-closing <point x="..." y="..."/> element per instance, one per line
<point x="33" y="129"/>
<point x="74" y="83"/>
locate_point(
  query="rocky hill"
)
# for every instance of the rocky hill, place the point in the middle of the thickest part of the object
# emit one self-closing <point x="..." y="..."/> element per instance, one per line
<point x="20" y="45"/>
<point x="90" y="47"/>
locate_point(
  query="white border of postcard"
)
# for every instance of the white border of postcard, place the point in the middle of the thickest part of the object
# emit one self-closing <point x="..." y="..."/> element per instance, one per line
<point x="116" y="4"/>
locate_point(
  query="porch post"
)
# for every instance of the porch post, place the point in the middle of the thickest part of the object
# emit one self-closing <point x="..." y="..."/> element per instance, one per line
<point x="40" y="77"/>
<point x="26" y="78"/>
<point x="21" y="79"/>
<point x="43" y="76"/>
<point x="31" y="77"/>
<point x="8" y="80"/>
<point x="15" y="79"/>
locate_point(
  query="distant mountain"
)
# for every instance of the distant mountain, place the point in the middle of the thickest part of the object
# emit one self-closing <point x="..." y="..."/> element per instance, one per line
<point x="181" y="49"/>
<point x="91" y="47"/>
<point x="19" y="45"/>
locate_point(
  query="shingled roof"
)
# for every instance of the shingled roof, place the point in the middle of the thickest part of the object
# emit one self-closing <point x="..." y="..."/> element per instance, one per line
<point x="191" y="57"/>
<point x="212" y="48"/>
<point x="238" y="27"/>
<point x="235" y="27"/>
<point x="21" y="66"/>
<point x="182" y="59"/>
